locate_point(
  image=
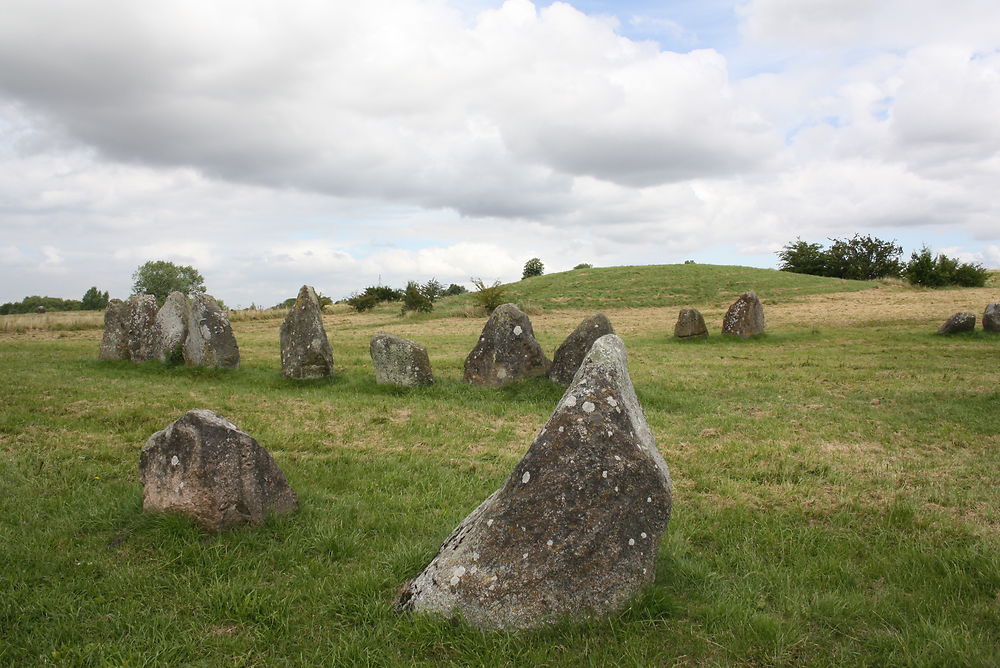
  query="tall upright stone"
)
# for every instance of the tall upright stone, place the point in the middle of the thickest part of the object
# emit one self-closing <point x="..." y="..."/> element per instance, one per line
<point x="170" y="328"/>
<point x="991" y="317"/>
<point x="114" y="341"/>
<point x="574" y="531"/>
<point x="305" y="350"/>
<point x="690" y="324"/>
<point x="205" y="467"/>
<point x="745" y="316"/>
<point x="210" y="341"/>
<point x="399" y="361"/>
<point x="506" y="350"/>
<point x="571" y="352"/>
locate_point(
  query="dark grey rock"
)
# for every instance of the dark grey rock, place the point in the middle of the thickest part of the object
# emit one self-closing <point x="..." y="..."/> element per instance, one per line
<point x="506" y="350"/>
<point x="210" y="341"/>
<point x="206" y="468"/>
<point x="170" y="328"/>
<point x="991" y="317"/>
<point x="745" y="316"/>
<point x="690" y="324"/>
<point x="305" y="350"/>
<point x="399" y="361"/>
<point x="114" y="341"/>
<point x="958" y="322"/>
<point x="571" y="352"/>
<point x="575" y="529"/>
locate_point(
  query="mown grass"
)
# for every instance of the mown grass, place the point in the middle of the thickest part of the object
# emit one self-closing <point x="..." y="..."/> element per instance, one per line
<point x="835" y="499"/>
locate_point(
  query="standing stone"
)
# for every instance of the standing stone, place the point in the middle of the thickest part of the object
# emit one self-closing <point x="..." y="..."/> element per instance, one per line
<point x="210" y="341"/>
<point x="206" y="468"/>
<point x="745" y="317"/>
<point x="305" y="350"/>
<point x="958" y="322"/>
<point x="114" y="341"/>
<point x="575" y="529"/>
<point x="570" y="354"/>
<point x="399" y="361"/>
<point x="171" y="328"/>
<point x="506" y="351"/>
<point x="141" y="315"/>
<point x="691" y="324"/>
<point x="991" y="317"/>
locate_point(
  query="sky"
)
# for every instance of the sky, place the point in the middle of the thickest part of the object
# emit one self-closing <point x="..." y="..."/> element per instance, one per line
<point x="345" y="144"/>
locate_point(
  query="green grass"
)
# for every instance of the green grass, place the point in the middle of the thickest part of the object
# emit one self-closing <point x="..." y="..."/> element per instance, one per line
<point x="835" y="501"/>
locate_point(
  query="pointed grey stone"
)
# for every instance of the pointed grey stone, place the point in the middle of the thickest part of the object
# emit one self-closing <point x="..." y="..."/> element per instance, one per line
<point x="506" y="350"/>
<point x="206" y="468"/>
<point x="170" y="328"/>
<point x="305" y="350"/>
<point x="991" y="317"/>
<point x="745" y="316"/>
<point x="575" y="529"/>
<point x="210" y="341"/>
<point x="958" y="322"/>
<point x="114" y="341"/>
<point x="571" y="352"/>
<point x="399" y="361"/>
<point x="690" y="324"/>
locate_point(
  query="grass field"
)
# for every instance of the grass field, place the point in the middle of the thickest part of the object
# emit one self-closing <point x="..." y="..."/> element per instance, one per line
<point x="835" y="489"/>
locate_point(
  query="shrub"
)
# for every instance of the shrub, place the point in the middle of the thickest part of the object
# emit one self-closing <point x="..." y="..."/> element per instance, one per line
<point x="432" y="289"/>
<point x="859" y="258"/>
<point x="455" y="289"/>
<point x="94" y="300"/>
<point x="488" y="296"/>
<point x="384" y="293"/>
<point x="414" y="299"/>
<point x="938" y="271"/>
<point x="362" y="303"/>
<point x="584" y="265"/>
<point x="532" y="267"/>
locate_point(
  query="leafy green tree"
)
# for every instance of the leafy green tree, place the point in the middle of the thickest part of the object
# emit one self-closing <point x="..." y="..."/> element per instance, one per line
<point x="863" y="258"/>
<point x="938" y="271"/>
<point x="801" y="257"/>
<point x="584" y="265"/>
<point x="414" y="299"/>
<point x="94" y="299"/>
<point x="489" y="296"/>
<point x="362" y="302"/>
<point x="432" y="289"/>
<point x="159" y="278"/>
<point x="533" y="267"/>
<point x="455" y="289"/>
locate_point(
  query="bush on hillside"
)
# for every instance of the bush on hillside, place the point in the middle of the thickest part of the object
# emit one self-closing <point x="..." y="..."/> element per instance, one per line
<point x="362" y="303"/>
<point x="584" y="265"/>
<point x="488" y="296"/>
<point x="432" y="289"/>
<point x="533" y="267"/>
<point x="859" y="258"/>
<point x="455" y="289"/>
<point x="414" y="299"/>
<point x="930" y="271"/>
<point x="32" y="304"/>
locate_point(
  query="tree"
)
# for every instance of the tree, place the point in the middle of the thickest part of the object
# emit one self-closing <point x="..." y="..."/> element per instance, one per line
<point x="584" y="265"/>
<point x="455" y="289"/>
<point x="414" y="299"/>
<point x="863" y="258"/>
<point x="938" y="271"/>
<point x="800" y="257"/>
<point x="432" y="289"/>
<point x="159" y="278"/>
<point x="533" y="267"/>
<point x="94" y="299"/>
<point x="488" y="296"/>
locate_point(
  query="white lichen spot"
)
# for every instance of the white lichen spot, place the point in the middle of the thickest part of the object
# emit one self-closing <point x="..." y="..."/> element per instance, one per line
<point x="517" y="330"/>
<point x="643" y="534"/>
<point x="617" y="458"/>
<point x="175" y="460"/>
<point x="588" y="407"/>
<point x="644" y="571"/>
<point x="501" y="372"/>
<point x="562" y="429"/>
<point x="475" y="555"/>
<point x="526" y="477"/>
<point x="616" y="488"/>
<point x="180" y="486"/>
<point x="474" y="569"/>
<point x="612" y="402"/>
<point x="524" y="556"/>
<point x="459" y="571"/>
<point x="609" y="432"/>
<point x="631" y="541"/>
<point x="649" y="499"/>
<point x="489" y="523"/>
<point x="604" y="474"/>
<point x="571" y="401"/>
<point x="455" y="580"/>
<point x="549" y="542"/>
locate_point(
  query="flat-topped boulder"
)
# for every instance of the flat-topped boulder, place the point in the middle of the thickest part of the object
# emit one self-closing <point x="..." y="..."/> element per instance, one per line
<point x="114" y="340"/>
<point x="206" y="468"/>
<point x="574" y="531"/>
<point x="991" y="317"/>
<point x="305" y="349"/>
<point x="690" y="324"/>
<point x="506" y="350"/>
<point x="400" y="361"/>
<point x="571" y="352"/>
<point x="170" y="328"/>
<point x="958" y="322"/>
<point x="745" y="316"/>
<point x="210" y="340"/>
<point x="141" y="316"/>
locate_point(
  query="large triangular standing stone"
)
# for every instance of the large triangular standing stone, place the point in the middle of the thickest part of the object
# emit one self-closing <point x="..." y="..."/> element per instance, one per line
<point x="171" y="328"/>
<point x="745" y="316"/>
<point x="114" y="341"/>
<point x="506" y="350"/>
<point x="305" y="350"/>
<point x="574" y="531"/>
<point x="570" y="354"/>
<point x="206" y="468"/>
<point x="210" y="341"/>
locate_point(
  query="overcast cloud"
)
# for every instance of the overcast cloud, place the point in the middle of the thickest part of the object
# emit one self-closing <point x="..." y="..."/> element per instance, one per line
<point x="273" y="144"/>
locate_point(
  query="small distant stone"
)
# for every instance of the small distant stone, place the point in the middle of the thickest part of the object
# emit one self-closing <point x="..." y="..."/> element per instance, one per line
<point x="991" y="317"/>
<point x="170" y="328"/>
<point x="963" y="321"/>
<point x="571" y="352"/>
<point x="506" y="350"/>
<point x="745" y="316"/>
<point x="210" y="341"/>
<point x="690" y="324"/>
<point x="399" y="361"/>
<point x="305" y="349"/>
<point x="206" y="468"/>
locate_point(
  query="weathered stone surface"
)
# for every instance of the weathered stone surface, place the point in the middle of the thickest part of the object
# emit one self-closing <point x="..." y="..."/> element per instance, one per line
<point x="571" y="352"/>
<point x="690" y="324"/>
<point x="575" y="529"/>
<point x="958" y="322"/>
<point x="114" y="341"/>
<point x="745" y="316"/>
<point x="210" y="341"/>
<point x="206" y="468"/>
<point x="170" y="329"/>
<point x="991" y="317"/>
<point x="399" y="361"/>
<point x="141" y="316"/>
<point x="305" y="350"/>
<point x="506" y="350"/>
